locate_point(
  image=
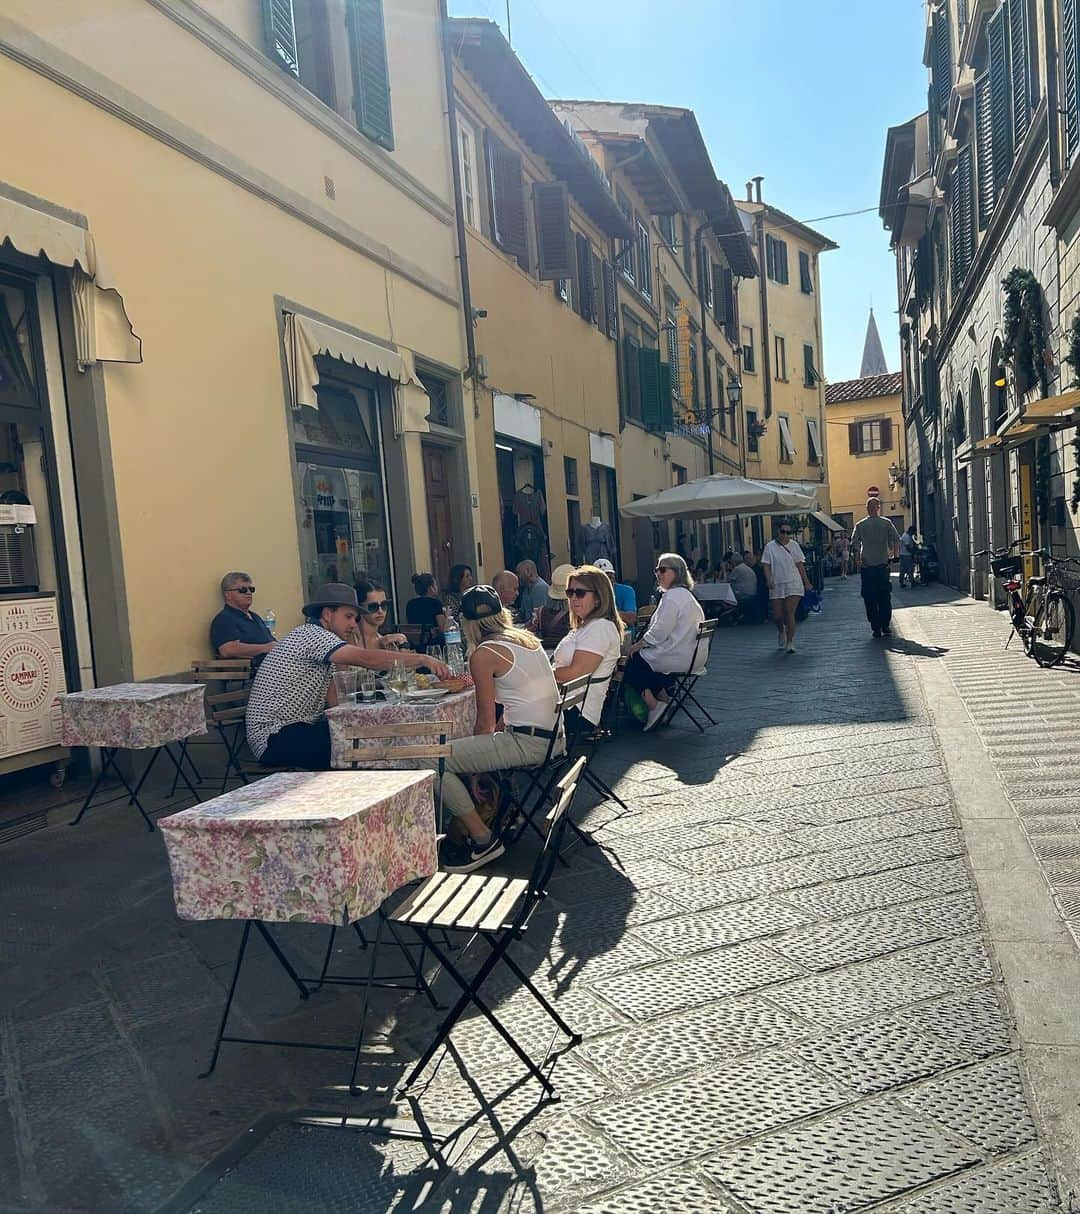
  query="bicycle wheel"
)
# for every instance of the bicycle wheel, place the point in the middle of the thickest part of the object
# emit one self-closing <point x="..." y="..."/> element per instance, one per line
<point x="1055" y="622"/>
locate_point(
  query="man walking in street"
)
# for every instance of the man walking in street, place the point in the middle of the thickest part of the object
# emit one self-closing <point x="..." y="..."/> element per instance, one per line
<point x="875" y="542"/>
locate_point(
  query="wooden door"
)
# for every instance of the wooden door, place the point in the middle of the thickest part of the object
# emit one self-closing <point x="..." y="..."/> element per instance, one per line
<point x="439" y="512"/>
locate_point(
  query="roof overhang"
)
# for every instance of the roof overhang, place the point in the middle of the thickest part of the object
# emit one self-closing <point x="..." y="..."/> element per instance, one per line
<point x="898" y="168"/>
<point x="484" y="53"/>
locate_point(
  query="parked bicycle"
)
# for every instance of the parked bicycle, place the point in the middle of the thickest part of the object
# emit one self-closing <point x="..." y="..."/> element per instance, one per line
<point x="1043" y="616"/>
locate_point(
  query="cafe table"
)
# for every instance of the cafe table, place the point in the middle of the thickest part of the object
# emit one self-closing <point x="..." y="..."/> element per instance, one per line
<point x="456" y="712"/>
<point x="133" y="716"/>
<point x="300" y="847"/>
<point x="715" y="592"/>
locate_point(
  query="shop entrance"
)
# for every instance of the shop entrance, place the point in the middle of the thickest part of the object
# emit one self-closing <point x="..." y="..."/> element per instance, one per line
<point x="520" y="468"/>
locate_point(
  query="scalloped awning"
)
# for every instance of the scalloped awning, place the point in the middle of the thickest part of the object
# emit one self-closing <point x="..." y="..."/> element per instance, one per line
<point x="103" y="332"/>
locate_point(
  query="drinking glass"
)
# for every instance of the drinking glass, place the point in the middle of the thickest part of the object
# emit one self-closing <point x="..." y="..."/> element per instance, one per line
<point x="367" y="685"/>
<point x="345" y="686"/>
<point x="398" y="681"/>
<point x="437" y="653"/>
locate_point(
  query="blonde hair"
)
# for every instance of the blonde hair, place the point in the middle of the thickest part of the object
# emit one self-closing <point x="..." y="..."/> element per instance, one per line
<point x="597" y="581"/>
<point x="680" y="567"/>
<point x="498" y="627"/>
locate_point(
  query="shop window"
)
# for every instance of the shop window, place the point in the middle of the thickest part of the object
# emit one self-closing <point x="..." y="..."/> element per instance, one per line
<point x="570" y="475"/>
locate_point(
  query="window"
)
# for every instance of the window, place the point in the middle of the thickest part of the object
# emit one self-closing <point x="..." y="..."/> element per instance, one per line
<point x="779" y="357"/>
<point x="671" y="330"/>
<point x="813" y="441"/>
<point x="1070" y="75"/>
<point x="644" y="264"/>
<point x="678" y="475"/>
<point x="570" y="475"/>
<point x="584" y="301"/>
<point x="787" y="445"/>
<point x="564" y="289"/>
<point x="438" y="391"/>
<point x="748" y="350"/>
<point x="666" y="224"/>
<point x="554" y="240"/>
<point x="298" y="38"/>
<point x="687" y="252"/>
<point x="721" y="400"/>
<point x="806" y="274"/>
<point x="611" y="319"/>
<point x="866" y="437"/>
<point x="776" y="263"/>
<point x="705" y="278"/>
<point x="751" y="432"/>
<point x="810" y="375"/>
<point x="631" y="347"/>
<point x="470" y="188"/>
<point x="626" y="252"/>
<point x="509" y="228"/>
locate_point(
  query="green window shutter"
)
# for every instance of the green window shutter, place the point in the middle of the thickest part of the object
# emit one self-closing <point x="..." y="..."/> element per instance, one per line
<point x="553" y="243"/>
<point x="770" y="258"/>
<point x="584" y="293"/>
<point x="610" y="314"/>
<point x="808" y="366"/>
<point x="720" y="295"/>
<point x="984" y="148"/>
<point x="941" y="58"/>
<point x="806" y="278"/>
<point x="997" y="38"/>
<point x="961" y="215"/>
<point x="279" y="30"/>
<point x="1070" y="71"/>
<point x="667" y="407"/>
<point x="632" y="378"/>
<point x="649" y="378"/>
<point x="935" y="126"/>
<point x="371" y="75"/>
<point x="782" y="245"/>
<point x="1019" y="69"/>
<point x="507" y="194"/>
<point x="597" y="292"/>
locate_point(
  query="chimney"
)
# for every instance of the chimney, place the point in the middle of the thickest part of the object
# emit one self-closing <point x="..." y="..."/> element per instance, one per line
<point x="757" y="188"/>
<point x="749" y="191"/>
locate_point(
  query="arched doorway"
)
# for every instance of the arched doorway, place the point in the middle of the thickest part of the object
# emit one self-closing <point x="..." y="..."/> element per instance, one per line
<point x="998" y="471"/>
<point x="980" y="536"/>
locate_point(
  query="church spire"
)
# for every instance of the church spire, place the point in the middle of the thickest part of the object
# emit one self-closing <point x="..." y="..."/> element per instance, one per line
<point x="873" y="356"/>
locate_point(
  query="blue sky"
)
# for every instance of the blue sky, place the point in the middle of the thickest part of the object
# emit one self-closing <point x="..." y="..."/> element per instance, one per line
<point x="799" y="93"/>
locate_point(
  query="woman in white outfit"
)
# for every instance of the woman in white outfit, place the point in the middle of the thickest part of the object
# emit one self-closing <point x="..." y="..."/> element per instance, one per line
<point x="508" y="667"/>
<point x="670" y="642"/>
<point x="594" y="643"/>
<point x="785" y="570"/>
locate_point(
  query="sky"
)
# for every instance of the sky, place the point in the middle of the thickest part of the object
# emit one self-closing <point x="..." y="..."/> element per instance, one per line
<point x="799" y="93"/>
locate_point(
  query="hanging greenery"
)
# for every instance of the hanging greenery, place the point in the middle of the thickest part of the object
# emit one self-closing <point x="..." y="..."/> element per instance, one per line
<point x="1073" y="356"/>
<point x="1025" y="333"/>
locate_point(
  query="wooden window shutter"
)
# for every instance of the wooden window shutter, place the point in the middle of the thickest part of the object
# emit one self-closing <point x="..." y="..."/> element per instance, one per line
<point x="854" y="438"/>
<point x="770" y="258"/>
<point x="1019" y="69"/>
<point x="584" y="294"/>
<point x="886" y="434"/>
<point x="719" y="294"/>
<point x="997" y="37"/>
<point x="961" y="217"/>
<point x="371" y="74"/>
<point x="649" y="379"/>
<point x="1070" y="72"/>
<point x="806" y="278"/>
<point x="808" y="366"/>
<point x="942" y="60"/>
<point x="597" y="292"/>
<point x="631" y="377"/>
<point x="610" y="313"/>
<point x="551" y="206"/>
<point x="508" y="227"/>
<point x="667" y="406"/>
<point x="935" y="126"/>
<point x="984" y="148"/>
<point x="279" y="30"/>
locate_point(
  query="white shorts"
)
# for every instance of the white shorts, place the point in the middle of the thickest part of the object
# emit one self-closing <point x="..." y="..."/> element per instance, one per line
<point x="784" y="590"/>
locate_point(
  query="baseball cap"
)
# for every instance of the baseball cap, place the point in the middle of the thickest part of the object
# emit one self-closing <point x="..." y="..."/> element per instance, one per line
<point x="480" y="602"/>
<point x="605" y="564"/>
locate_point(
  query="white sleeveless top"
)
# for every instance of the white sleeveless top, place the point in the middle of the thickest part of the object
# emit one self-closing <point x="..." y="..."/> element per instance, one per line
<point x="527" y="692"/>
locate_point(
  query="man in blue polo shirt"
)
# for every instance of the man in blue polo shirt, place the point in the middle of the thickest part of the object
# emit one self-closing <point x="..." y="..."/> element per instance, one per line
<point x="236" y="631"/>
<point x="625" y="596"/>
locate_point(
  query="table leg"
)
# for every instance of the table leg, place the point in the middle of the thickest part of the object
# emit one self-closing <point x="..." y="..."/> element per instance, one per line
<point x="108" y="759"/>
<point x="228" y="1001"/>
<point x="179" y="765"/>
<point x="286" y="965"/>
<point x="134" y="798"/>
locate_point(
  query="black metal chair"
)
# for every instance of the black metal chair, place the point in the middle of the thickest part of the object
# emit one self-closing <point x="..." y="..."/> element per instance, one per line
<point x="681" y="690"/>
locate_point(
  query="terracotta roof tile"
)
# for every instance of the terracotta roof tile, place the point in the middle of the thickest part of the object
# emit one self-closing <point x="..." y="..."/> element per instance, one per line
<point x="864" y="389"/>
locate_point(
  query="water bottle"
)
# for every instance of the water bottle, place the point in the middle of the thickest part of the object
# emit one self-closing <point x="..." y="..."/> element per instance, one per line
<point x="452" y="635"/>
<point x="270" y="620"/>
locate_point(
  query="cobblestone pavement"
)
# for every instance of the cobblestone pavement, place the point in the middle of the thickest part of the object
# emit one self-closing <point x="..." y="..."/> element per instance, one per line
<point x="776" y="958"/>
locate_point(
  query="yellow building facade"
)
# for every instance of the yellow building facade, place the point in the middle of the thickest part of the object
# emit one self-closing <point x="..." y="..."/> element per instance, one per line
<point x="864" y="421"/>
<point x="783" y="399"/>
<point x="265" y="193"/>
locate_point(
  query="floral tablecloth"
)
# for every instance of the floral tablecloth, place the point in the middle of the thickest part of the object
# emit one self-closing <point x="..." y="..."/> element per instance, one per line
<point x="135" y="716"/>
<point x="305" y="847"/>
<point x="457" y="710"/>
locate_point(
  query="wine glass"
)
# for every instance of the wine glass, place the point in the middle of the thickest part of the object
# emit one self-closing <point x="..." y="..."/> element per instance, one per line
<point x="398" y="680"/>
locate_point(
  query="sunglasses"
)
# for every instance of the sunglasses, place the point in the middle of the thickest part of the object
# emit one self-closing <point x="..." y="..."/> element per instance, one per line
<point x="577" y="592"/>
<point x="663" y="569"/>
<point x="242" y="589"/>
<point x="786" y="533"/>
<point x="375" y="608"/>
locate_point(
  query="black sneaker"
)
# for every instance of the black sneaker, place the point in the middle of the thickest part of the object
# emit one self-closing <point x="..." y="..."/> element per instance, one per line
<point x="467" y="857"/>
<point x="877" y="632"/>
<point x="885" y="632"/>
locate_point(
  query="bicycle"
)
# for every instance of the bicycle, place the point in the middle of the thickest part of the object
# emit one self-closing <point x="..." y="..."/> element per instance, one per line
<point x="1045" y="620"/>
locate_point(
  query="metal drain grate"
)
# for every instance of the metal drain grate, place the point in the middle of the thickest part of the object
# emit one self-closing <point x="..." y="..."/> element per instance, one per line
<point x="17" y="828"/>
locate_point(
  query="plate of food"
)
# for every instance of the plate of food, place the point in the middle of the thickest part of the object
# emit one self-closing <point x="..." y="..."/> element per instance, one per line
<point x="425" y="693"/>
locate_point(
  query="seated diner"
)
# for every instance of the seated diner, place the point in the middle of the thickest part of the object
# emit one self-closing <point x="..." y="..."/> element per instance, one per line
<point x="594" y="643"/>
<point x="286" y="721"/>
<point x="236" y="631"/>
<point x="508" y="667"/>
<point x="461" y="578"/>
<point x="670" y="641"/>
<point x="426" y="611"/>
<point x="368" y="633"/>
<point x="625" y="595"/>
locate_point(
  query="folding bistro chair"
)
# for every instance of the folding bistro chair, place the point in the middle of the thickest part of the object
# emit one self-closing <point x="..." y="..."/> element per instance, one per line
<point x="497" y="910"/>
<point x="225" y="711"/>
<point x="375" y="744"/>
<point x="644" y="615"/>
<point x="682" y="689"/>
<point x="589" y="740"/>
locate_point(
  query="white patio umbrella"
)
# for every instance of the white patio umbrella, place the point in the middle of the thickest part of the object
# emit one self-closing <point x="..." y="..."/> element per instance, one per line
<point x="709" y="496"/>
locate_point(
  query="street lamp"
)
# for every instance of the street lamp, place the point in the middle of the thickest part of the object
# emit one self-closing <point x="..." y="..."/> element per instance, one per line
<point x="734" y="393"/>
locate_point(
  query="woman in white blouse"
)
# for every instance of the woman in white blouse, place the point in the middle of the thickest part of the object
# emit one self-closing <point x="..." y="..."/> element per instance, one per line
<point x="669" y="645"/>
<point x="594" y="642"/>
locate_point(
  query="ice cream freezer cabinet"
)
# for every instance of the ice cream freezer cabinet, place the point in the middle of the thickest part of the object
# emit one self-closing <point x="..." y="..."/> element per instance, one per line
<point x="31" y="681"/>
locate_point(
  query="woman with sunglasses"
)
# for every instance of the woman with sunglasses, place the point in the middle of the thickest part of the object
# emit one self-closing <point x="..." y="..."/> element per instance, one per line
<point x="785" y="569"/>
<point x="670" y="642"/>
<point x="594" y="642"/>
<point x="371" y="618"/>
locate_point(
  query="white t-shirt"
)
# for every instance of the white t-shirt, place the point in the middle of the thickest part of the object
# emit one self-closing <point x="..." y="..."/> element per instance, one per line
<point x="783" y="560"/>
<point x="907" y="544"/>
<point x="600" y="637"/>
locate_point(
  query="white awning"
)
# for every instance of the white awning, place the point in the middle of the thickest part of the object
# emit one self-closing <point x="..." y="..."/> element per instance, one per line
<point x="826" y="520"/>
<point x="103" y="332"/>
<point x="306" y="338"/>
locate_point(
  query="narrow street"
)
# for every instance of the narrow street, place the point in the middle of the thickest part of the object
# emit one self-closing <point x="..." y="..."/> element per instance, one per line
<point x="778" y="959"/>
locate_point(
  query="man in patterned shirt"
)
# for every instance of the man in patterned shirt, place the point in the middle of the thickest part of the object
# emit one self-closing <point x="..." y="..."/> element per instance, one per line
<point x="286" y="722"/>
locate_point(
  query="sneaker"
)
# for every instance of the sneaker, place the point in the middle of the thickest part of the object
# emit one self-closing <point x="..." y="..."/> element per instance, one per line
<point x="466" y="857"/>
<point x="886" y="632"/>
<point x="655" y="714"/>
<point x="877" y="632"/>
<point x="781" y="642"/>
<point x="791" y="647"/>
